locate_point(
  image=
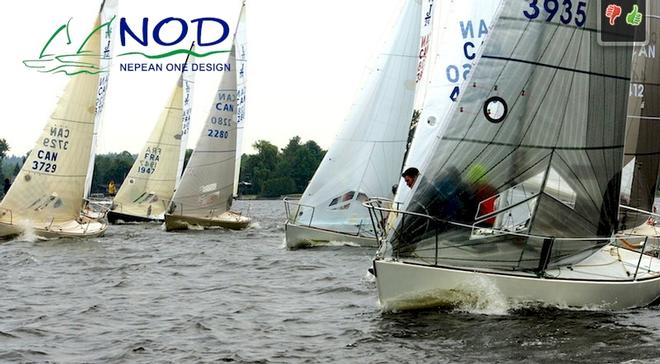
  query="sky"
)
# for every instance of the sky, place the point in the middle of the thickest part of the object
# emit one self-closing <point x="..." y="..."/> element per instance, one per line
<point x="306" y="61"/>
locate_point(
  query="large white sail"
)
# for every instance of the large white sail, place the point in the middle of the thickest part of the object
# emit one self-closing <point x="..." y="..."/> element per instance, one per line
<point x="452" y="34"/>
<point x="50" y="187"/>
<point x="207" y="186"/>
<point x="366" y="157"/>
<point x="147" y="190"/>
<point x="240" y="43"/>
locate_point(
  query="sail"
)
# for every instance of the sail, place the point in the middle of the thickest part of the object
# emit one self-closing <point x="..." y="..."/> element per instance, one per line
<point x="207" y="184"/>
<point x="50" y="186"/>
<point x="642" y="144"/>
<point x="240" y="42"/>
<point x="148" y="188"/>
<point x="543" y="98"/>
<point x="366" y="157"/>
<point x="450" y="44"/>
<point x="108" y="15"/>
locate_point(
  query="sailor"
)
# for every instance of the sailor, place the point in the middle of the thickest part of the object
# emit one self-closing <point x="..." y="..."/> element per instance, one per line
<point x="410" y="176"/>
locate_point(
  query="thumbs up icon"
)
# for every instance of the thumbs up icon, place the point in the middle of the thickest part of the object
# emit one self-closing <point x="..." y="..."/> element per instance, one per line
<point x="634" y="17"/>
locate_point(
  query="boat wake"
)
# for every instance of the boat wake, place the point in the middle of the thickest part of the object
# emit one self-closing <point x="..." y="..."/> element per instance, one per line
<point x="27" y="232"/>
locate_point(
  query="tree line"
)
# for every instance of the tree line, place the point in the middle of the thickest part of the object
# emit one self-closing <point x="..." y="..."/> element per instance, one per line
<point x="270" y="172"/>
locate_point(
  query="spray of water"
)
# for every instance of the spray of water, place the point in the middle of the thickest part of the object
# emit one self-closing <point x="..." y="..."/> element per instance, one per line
<point x="27" y="231"/>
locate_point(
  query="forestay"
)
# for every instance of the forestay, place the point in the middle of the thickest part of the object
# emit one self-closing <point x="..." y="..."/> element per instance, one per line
<point x="366" y="157"/>
<point x="544" y="98"/>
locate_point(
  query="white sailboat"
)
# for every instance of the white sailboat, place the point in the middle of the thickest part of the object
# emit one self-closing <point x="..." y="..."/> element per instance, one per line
<point x="147" y="190"/>
<point x="48" y="193"/>
<point x="533" y="104"/>
<point x="204" y="196"/>
<point x="366" y="157"/>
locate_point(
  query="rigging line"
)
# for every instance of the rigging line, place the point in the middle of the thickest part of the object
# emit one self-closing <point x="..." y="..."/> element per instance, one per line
<point x="604" y="75"/>
<point x="643" y="154"/>
<point x="592" y="30"/>
<point x="644" y="117"/>
<point x="533" y="146"/>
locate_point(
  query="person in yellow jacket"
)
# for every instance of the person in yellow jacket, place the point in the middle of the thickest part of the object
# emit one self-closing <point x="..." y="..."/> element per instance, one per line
<point x="112" y="189"/>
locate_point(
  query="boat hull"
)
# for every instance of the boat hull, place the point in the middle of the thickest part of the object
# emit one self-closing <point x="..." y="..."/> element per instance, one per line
<point x="406" y="286"/>
<point x="115" y="217"/>
<point x="69" y="229"/>
<point x="228" y="220"/>
<point x="298" y="237"/>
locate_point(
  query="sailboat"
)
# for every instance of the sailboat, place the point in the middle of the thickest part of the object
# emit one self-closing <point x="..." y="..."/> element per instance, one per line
<point x="641" y="148"/>
<point x="48" y="193"/>
<point x="366" y="157"/>
<point x="205" y="193"/>
<point x="533" y="104"/>
<point x="147" y="190"/>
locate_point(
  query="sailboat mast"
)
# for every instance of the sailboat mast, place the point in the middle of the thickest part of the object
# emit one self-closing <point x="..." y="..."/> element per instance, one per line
<point x="107" y="14"/>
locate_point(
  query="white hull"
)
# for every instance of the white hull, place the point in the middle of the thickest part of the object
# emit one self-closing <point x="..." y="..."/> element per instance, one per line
<point x="228" y="220"/>
<point x="596" y="283"/>
<point x="69" y="229"/>
<point x="306" y="237"/>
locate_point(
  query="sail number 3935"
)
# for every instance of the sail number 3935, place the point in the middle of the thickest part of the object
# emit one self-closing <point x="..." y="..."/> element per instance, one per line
<point x="566" y="10"/>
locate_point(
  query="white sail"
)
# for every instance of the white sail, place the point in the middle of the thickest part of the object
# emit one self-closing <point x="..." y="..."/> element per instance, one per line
<point x="50" y="187"/>
<point x="366" y="157"/>
<point x="453" y="35"/>
<point x="207" y="185"/>
<point x="240" y="42"/>
<point x="108" y="16"/>
<point x="147" y="190"/>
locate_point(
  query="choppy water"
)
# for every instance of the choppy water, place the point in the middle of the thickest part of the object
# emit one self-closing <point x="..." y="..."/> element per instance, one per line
<point x="141" y="295"/>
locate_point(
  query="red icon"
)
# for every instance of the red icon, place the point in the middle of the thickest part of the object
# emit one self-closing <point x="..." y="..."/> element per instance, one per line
<point x="612" y="12"/>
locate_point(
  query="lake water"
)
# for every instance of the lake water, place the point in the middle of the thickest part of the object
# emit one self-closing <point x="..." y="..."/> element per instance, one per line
<point x="141" y="295"/>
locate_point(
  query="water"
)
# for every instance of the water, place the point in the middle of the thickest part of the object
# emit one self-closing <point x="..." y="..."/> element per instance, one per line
<point x="141" y="295"/>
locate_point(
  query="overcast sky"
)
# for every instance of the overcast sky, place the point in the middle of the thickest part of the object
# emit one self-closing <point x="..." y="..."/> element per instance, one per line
<point x="306" y="59"/>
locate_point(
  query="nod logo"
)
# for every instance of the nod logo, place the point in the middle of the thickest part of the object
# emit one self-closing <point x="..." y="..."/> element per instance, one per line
<point x="623" y="22"/>
<point x="60" y="55"/>
<point x="72" y="62"/>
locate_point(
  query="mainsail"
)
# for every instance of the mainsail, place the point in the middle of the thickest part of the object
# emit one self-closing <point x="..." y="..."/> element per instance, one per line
<point x="450" y="42"/>
<point x="544" y="98"/>
<point x="366" y="157"/>
<point x="207" y="186"/>
<point x="50" y="187"/>
<point x="148" y="188"/>
<point x="642" y="145"/>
